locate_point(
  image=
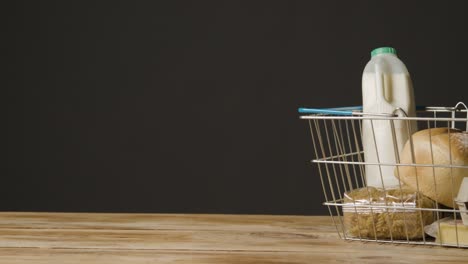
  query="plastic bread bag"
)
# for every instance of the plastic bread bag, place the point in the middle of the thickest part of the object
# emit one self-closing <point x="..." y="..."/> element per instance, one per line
<point x="372" y="213"/>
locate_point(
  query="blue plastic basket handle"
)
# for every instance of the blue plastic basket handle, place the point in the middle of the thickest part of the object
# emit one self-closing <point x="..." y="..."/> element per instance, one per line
<point x="344" y="111"/>
<point x="348" y="110"/>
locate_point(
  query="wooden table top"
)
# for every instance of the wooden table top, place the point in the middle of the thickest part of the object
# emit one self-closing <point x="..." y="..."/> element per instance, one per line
<point x="178" y="238"/>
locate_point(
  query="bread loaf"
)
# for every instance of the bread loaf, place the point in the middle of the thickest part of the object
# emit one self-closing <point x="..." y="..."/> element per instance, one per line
<point x="449" y="146"/>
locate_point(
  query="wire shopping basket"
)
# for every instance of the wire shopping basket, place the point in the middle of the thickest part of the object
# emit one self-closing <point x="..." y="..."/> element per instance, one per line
<point x="423" y="208"/>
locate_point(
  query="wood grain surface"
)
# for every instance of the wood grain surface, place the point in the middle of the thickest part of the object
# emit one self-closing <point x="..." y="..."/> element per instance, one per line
<point x="170" y="238"/>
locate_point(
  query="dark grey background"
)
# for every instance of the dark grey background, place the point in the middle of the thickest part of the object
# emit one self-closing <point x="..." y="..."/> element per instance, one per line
<point x="169" y="106"/>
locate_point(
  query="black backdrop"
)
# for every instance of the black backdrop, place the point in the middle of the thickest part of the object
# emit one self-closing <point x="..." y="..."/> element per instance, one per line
<point x="169" y="106"/>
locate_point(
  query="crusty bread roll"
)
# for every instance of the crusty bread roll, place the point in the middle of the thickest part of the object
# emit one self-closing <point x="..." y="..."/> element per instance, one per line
<point x="439" y="184"/>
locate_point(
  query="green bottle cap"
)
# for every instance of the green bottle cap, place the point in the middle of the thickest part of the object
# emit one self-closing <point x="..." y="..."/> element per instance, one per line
<point x="383" y="50"/>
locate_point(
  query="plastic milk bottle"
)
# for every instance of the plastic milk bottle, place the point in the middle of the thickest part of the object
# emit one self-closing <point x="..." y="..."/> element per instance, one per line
<point x="386" y="86"/>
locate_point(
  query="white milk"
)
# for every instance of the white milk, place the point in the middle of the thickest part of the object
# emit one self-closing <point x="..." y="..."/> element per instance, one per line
<point x="386" y="85"/>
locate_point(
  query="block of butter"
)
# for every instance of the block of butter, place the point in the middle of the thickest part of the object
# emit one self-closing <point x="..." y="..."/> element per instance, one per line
<point x="449" y="233"/>
<point x="462" y="200"/>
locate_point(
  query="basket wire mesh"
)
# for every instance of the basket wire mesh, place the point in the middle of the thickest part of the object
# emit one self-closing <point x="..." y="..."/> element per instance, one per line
<point x="339" y="157"/>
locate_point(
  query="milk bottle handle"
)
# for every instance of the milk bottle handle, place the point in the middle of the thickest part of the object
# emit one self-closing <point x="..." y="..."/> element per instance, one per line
<point x="379" y="82"/>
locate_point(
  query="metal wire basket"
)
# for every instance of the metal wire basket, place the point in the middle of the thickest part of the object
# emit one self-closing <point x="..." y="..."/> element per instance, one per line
<point x="401" y="214"/>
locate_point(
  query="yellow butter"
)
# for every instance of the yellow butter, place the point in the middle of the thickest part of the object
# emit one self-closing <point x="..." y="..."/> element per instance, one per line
<point x="449" y="233"/>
